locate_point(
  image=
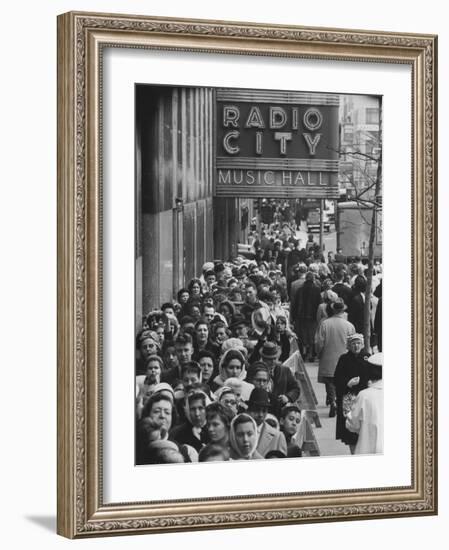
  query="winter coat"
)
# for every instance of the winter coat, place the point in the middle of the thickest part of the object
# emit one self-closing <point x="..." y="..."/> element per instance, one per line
<point x="330" y="342"/>
<point x="348" y="366"/>
<point x="356" y="312"/>
<point x="366" y="419"/>
<point x="308" y="298"/>
<point x="284" y="383"/>
<point x="343" y="291"/>
<point x="271" y="439"/>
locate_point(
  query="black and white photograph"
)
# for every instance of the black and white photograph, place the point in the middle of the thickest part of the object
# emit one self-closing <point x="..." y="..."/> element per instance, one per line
<point x="258" y="274"/>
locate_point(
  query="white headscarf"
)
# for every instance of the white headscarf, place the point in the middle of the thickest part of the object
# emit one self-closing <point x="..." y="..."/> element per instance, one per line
<point x="223" y="375"/>
<point x="232" y="439"/>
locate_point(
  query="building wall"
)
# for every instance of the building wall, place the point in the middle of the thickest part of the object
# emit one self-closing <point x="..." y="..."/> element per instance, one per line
<point x="359" y="131"/>
<point x="174" y="167"/>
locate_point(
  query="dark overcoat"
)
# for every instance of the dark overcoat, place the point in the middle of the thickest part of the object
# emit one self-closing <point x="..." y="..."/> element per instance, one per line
<point x="348" y="366"/>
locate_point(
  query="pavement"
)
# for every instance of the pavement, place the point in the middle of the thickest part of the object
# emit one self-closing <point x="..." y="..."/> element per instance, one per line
<point x="325" y="435"/>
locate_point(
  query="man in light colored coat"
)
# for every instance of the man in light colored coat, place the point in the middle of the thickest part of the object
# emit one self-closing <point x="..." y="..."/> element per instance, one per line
<point x="330" y="343"/>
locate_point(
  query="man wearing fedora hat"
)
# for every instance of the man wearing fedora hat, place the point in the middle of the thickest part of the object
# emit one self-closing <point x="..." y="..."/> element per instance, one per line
<point x="285" y="389"/>
<point x="330" y="340"/>
<point x="269" y="438"/>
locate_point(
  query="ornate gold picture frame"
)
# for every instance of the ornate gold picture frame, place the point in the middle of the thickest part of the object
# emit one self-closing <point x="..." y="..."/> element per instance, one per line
<point x="82" y="40"/>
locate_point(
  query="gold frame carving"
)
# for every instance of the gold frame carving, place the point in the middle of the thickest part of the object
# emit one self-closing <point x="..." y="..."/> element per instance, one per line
<point x="81" y="37"/>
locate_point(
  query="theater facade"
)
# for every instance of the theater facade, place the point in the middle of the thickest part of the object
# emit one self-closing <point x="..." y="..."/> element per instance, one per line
<point x="204" y="157"/>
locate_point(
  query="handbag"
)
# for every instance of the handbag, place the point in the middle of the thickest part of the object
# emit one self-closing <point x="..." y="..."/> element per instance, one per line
<point x="347" y="402"/>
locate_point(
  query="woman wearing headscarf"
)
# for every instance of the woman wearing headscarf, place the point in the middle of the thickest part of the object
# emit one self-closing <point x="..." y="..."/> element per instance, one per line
<point x="243" y="438"/>
<point x="206" y="361"/>
<point x="285" y="338"/>
<point x="219" y="333"/>
<point x="350" y="378"/>
<point x="232" y="365"/>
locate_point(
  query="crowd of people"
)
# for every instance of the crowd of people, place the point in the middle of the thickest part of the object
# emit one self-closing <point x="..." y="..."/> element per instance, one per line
<point x="212" y="382"/>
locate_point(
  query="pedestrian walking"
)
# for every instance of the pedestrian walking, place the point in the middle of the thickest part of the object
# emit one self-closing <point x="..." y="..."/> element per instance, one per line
<point x="330" y="341"/>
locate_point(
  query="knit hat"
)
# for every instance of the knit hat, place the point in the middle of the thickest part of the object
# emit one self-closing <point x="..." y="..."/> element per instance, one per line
<point x="355" y="336"/>
<point x="148" y="335"/>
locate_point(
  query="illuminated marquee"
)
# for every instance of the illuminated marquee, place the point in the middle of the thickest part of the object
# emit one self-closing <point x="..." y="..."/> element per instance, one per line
<point x="278" y="119"/>
<point x="272" y="142"/>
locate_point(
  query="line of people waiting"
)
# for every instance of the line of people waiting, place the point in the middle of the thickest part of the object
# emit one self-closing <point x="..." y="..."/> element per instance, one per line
<point x="211" y="383"/>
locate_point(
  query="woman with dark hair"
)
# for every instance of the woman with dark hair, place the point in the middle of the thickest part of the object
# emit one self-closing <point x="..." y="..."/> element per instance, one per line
<point x="227" y="309"/>
<point x="201" y="337"/>
<point x="193" y="308"/>
<point x="182" y="296"/>
<point x="350" y="378"/>
<point x="285" y="338"/>
<point x="218" y="422"/>
<point x="219" y="333"/>
<point x="213" y="453"/>
<point x="206" y="360"/>
<point x="195" y="289"/>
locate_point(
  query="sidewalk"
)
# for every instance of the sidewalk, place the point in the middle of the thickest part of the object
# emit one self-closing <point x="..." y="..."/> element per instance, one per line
<point x="325" y="435"/>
